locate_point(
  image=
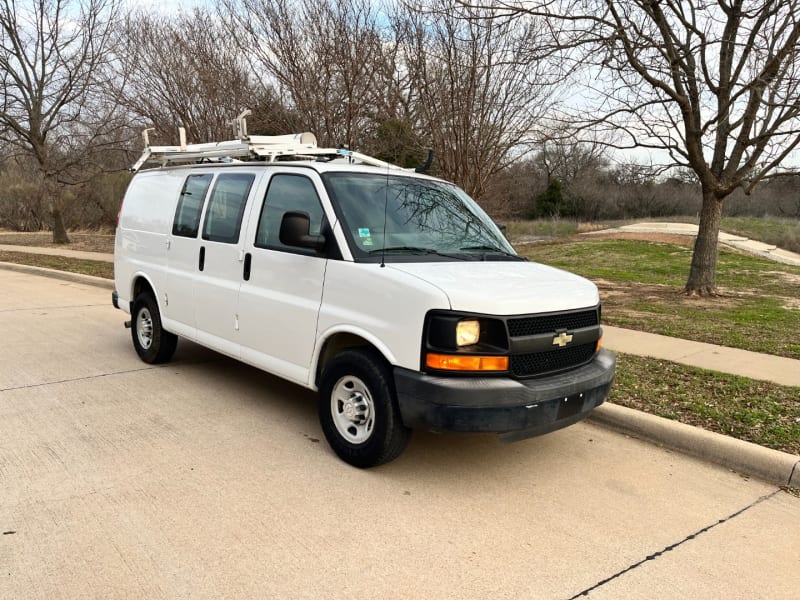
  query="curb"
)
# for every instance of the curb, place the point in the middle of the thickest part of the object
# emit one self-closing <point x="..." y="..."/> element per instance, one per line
<point x="772" y="466"/>
<point x="63" y="275"/>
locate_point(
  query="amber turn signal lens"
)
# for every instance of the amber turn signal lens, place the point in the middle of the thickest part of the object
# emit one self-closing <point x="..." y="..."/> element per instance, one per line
<point x="458" y="362"/>
<point x="599" y="345"/>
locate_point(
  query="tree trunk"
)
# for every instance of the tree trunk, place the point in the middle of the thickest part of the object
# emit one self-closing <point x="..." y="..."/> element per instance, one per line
<point x="53" y="196"/>
<point x="703" y="272"/>
<point x="59" y="231"/>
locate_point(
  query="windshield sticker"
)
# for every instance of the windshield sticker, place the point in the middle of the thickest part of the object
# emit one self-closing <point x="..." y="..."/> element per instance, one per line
<point x="366" y="238"/>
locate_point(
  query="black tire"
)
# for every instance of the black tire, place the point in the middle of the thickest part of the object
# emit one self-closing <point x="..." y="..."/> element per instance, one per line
<point x="152" y="343"/>
<point x="358" y="410"/>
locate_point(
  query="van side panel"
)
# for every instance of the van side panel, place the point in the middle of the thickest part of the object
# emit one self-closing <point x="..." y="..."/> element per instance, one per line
<point x="145" y="222"/>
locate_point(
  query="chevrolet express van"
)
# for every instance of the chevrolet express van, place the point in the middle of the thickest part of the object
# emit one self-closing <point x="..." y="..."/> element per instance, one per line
<point x="389" y="292"/>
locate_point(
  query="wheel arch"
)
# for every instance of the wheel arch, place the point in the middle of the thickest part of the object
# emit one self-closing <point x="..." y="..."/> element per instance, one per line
<point x="336" y="342"/>
<point x="142" y="283"/>
<point x="152" y="342"/>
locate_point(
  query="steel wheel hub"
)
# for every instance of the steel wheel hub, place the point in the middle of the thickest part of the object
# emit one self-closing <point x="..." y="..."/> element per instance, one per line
<point x="352" y="409"/>
<point x="144" y="328"/>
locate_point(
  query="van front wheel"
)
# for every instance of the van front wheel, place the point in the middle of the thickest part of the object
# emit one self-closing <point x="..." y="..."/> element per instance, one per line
<point x="152" y="343"/>
<point x="358" y="410"/>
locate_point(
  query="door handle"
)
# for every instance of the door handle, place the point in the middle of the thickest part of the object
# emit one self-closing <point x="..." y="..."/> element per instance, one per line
<point x="202" y="257"/>
<point x="248" y="259"/>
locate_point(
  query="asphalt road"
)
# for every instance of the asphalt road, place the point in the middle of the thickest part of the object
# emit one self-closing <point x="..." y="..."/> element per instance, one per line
<point x="205" y="478"/>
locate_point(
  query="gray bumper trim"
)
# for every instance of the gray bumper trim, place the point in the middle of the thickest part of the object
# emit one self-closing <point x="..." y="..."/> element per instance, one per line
<point x="529" y="407"/>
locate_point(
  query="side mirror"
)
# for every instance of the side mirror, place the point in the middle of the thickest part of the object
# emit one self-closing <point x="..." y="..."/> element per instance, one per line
<point x="295" y="227"/>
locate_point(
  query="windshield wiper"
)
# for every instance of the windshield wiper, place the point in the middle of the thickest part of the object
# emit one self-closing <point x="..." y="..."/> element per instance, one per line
<point x="495" y="250"/>
<point x="413" y="250"/>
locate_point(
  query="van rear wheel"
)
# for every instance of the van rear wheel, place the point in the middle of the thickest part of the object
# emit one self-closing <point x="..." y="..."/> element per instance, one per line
<point x="152" y="343"/>
<point x="358" y="410"/>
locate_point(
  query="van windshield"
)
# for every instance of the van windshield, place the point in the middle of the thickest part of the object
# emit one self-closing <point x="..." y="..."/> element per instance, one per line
<point x="405" y="218"/>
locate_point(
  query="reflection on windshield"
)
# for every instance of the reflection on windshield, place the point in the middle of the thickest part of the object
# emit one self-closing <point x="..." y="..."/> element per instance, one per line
<point x="415" y="217"/>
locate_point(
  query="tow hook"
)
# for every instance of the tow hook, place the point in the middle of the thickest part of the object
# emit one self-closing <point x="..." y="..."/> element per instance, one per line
<point x="127" y="324"/>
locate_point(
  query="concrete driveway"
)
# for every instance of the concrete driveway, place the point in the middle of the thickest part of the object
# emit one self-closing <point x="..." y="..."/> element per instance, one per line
<point x="205" y="478"/>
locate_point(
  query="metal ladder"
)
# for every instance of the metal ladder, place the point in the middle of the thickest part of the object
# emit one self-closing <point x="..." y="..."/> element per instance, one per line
<point x="269" y="148"/>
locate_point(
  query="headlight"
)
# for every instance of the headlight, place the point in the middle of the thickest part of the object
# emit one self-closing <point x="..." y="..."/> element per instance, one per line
<point x="465" y="343"/>
<point x="468" y="332"/>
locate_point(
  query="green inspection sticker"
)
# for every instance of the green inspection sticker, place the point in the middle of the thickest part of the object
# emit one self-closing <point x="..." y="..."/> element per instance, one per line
<point x="366" y="238"/>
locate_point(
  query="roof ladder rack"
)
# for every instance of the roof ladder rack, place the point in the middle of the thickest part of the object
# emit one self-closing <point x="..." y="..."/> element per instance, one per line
<point x="269" y="148"/>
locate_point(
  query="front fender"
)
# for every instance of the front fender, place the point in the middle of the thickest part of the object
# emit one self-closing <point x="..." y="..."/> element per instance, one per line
<point x="351" y="330"/>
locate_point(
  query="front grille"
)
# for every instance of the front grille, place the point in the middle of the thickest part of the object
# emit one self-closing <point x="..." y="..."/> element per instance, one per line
<point x="550" y="323"/>
<point x="552" y="360"/>
<point x="542" y="363"/>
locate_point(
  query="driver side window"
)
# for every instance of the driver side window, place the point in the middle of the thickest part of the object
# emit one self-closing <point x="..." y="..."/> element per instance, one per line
<point x="288" y="193"/>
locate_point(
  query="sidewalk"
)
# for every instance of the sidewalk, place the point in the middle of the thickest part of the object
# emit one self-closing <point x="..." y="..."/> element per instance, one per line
<point x="735" y="241"/>
<point x="764" y="367"/>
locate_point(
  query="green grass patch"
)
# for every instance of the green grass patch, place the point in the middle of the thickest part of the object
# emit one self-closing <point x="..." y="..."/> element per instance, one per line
<point x="641" y="282"/>
<point x="759" y="325"/>
<point x="72" y="265"/>
<point x="760" y="412"/>
<point x="622" y="260"/>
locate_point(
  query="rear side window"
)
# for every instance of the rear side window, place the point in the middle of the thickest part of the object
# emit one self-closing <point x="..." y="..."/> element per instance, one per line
<point x="226" y="207"/>
<point x="288" y="193"/>
<point x="190" y="205"/>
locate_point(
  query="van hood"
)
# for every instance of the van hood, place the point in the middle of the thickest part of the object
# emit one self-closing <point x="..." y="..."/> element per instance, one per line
<point x="505" y="288"/>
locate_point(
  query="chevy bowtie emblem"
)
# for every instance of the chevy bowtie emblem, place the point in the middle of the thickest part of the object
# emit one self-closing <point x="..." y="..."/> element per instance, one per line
<point x="562" y="339"/>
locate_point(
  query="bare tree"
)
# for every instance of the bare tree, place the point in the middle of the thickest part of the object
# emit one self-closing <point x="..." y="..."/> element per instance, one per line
<point x="393" y="79"/>
<point x="715" y="86"/>
<point x="51" y="54"/>
<point x="479" y="98"/>
<point x="567" y="158"/>
<point x="333" y="59"/>
<point x="182" y="70"/>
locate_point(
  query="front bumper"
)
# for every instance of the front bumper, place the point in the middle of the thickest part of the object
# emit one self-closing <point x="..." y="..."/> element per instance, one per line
<point x="516" y="408"/>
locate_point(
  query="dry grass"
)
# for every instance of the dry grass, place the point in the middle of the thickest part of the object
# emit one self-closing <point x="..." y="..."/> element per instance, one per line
<point x="86" y="241"/>
<point x="72" y="265"/>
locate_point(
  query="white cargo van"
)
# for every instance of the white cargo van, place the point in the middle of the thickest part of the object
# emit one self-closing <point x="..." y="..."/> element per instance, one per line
<point x="389" y="292"/>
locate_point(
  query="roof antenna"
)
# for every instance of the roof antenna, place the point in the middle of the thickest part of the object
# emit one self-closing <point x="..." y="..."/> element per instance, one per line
<point x="427" y="164"/>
